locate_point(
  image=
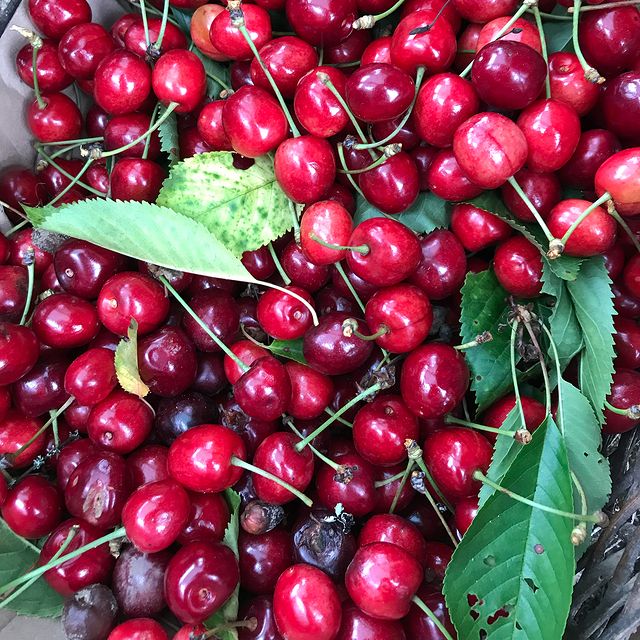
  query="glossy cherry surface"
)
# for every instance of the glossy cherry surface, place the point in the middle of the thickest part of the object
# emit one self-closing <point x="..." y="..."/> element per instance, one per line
<point x="445" y="178"/>
<point x="82" y="48"/>
<point x="618" y="176"/>
<point x="50" y="73"/>
<point x="55" y="18"/>
<point x="518" y="266"/>
<point x="620" y="106"/>
<point x="625" y="392"/>
<point x="179" y="76"/>
<point x="568" y="83"/>
<point x="138" y="629"/>
<point x="542" y="189"/>
<point x="208" y="519"/>
<point x="64" y="321"/>
<point x="263" y="558"/>
<point x="59" y="118"/>
<point x="418" y="625"/>
<point x="323" y="23"/>
<point x="477" y="228"/>
<point x="264" y="391"/>
<point x="594" y="147"/>
<point x="91" y="377"/>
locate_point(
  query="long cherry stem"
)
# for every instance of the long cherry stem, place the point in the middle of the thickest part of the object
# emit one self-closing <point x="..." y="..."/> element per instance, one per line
<point x="632" y="412"/>
<point x="30" y="282"/>
<point x="625" y="227"/>
<point x="363" y="249"/>
<point x="432" y="616"/>
<point x="238" y="462"/>
<point x="147" y="142"/>
<point x="163" y="26"/>
<point x="543" y="48"/>
<point x="330" y="463"/>
<point x="326" y="81"/>
<point x="384" y="483"/>
<point x="68" y="175"/>
<point x="605" y="197"/>
<point x="543" y="225"/>
<point x="352" y="290"/>
<point x="74" y="181"/>
<point x="514" y="374"/>
<point x="423" y="467"/>
<point x="376" y="163"/>
<point x="591" y="74"/>
<point x="480" y="427"/>
<point x="403" y="481"/>
<point x="351" y="179"/>
<point x="283" y="274"/>
<point x="606" y="5"/>
<point x="368" y="22"/>
<point x="36" y="44"/>
<point x="346" y="423"/>
<point x="556" y="359"/>
<point x="145" y="23"/>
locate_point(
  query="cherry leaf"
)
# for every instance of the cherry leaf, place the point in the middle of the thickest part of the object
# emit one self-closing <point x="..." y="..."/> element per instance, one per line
<point x="126" y="362"/>
<point x="169" y="140"/>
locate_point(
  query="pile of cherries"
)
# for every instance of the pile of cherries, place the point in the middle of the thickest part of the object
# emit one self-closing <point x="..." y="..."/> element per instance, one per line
<point x="342" y="535"/>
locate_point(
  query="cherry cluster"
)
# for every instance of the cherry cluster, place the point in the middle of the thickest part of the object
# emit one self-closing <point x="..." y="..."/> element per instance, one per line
<point x="345" y="438"/>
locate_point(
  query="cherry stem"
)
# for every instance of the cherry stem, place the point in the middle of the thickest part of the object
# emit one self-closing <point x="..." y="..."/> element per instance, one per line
<point x="283" y="274"/>
<point x="61" y="152"/>
<point x="36" y="44"/>
<point x="368" y="22"/>
<point x="63" y="547"/>
<point x="481" y="338"/>
<point x="552" y="16"/>
<point x="218" y="79"/>
<point x="145" y="23"/>
<point x="556" y="359"/>
<point x="243" y="367"/>
<point x="590" y="73"/>
<point x="432" y="616"/>
<point x="73" y="182"/>
<point x="543" y="364"/>
<point x="632" y="412"/>
<point x="423" y="467"/>
<point x="147" y="143"/>
<point x="156" y="125"/>
<point x="237" y="20"/>
<point x="481" y="477"/>
<point x="407" y="115"/>
<point x="605" y="5"/>
<point x="605" y="197"/>
<point x="404" y="476"/>
<point x="362" y="249"/>
<point x="37" y="572"/>
<point x="163" y="26"/>
<point x="334" y="465"/>
<point x="326" y="81"/>
<point x="350" y="328"/>
<point x="514" y="374"/>
<point x="343" y="162"/>
<point x="247" y="466"/>
<point x="54" y="427"/>
<point x="527" y="4"/>
<point x="17" y="227"/>
<point x="543" y="47"/>
<point x="342" y="410"/>
<point x="352" y="290"/>
<point x="480" y="427"/>
<point x="69" y="176"/>
<point x="64" y="143"/>
<point x="389" y="152"/>
<point x="384" y="483"/>
<point x="346" y="423"/>
<point x="543" y="225"/>
<point x="625" y="227"/>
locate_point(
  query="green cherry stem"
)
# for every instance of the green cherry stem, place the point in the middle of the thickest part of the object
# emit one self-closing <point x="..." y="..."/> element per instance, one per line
<point x="552" y="16"/>
<point x="605" y="197"/>
<point x="543" y="225"/>
<point x="590" y="73"/>
<point x="74" y="181"/>
<point x="368" y="22"/>
<point x="389" y="152"/>
<point x="243" y="367"/>
<point x="432" y="616"/>
<point x="326" y="81"/>
<point x="342" y="410"/>
<point x="29" y="262"/>
<point x="543" y="47"/>
<point x="75" y="143"/>
<point x="345" y="278"/>
<point x="147" y="142"/>
<point x="579" y="533"/>
<point x="36" y="44"/>
<point x="606" y="5"/>
<point x="283" y="274"/>
<point x="362" y="249"/>
<point x="37" y="572"/>
<point x="346" y="423"/>
<point x="482" y="338"/>
<point x="543" y="365"/>
<point x="343" y="162"/>
<point x="334" y="465"/>
<point x="423" y="467"/>
<point x="481" y="427"/>
<point x="350" y="328"/>
<point x="69" y="176"/>
<point x="514" y="374"/>
<point x="17" y="227"/>
<point x="632" y="412"/>
<point x="556" y="359"/>
<point x="404" y="476"/>
<point x="384" y="483"/>
<point x="145" y="23"/>
<point x="625" y="227"/>
<point x="163" y="26"/>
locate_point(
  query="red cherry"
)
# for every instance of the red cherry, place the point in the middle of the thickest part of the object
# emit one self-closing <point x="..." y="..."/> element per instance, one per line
<point x="207" y="521"/>
<point x="201" y="458"/>
<point x="466" y="510"/>
<point x="263" y="558"/>
<point x="15" y="431"/>
<point x="282" y="316"/>
<point x="625" y="392"/>
<point x="201" y="22"/>
<point x="449" y="12"/>
<point x="620" y="106"/>
<point x="210" y="126"/>
<point x="631" y="276"/>
<point x="91" y="377"/>
<point x="521" y="32"/>
<point x="568" y="83"/>
<point x="418" y="625"/>
<point x="136" y="42"/>
<point x="83" y="48"/>
<point x="302" y="272"/>
<point x="542" y="189"/>
<point x="248" y="352"/>
<point x="5" y="402"/>
<point x="120" y="26"/>
<point x="148" y="464"/>
<point x="518" y="266"/>
<point x="21" y="186"/>
<point x="394" y="530"/>
<point x="306" y="604"/>
<point x="138" y="629"/>
<point x="382" y="579"/>
<point x="476" y="228"/>
<point x="22" y="247"/>
<point x="618" y="175"/>
<point x="179" y="76"/>
<point x="54" y="18"/>
<point x="452" y="456"/>
<point x="228" y="39"/>
<point x="357" y="624"/>
<point x="59" y="118"/>
<point x="467" y="41"/>
<point x="496" y="414"/>
<point x="445" y="178"/>
<point x="50" y="73"/>
<point x="483" y="12"/>
<point x="330" y="222"/>
<point x="124" y="129"/>
<point x="311" y="391"/>
<point x="323" y="23"/>
<point x="19" y="351"/>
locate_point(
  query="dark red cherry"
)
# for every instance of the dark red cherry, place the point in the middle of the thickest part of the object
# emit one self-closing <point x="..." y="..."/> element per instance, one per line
<point x="477" y="228"/>
<point x="330" y="222"/>
<point x="210" y="126"/>
<point x="122" y="82"/>
<point x="311" y="391"/>
<point x="467" y="46"/>
<point x="306" y="604"/>
<point x="518" y="266"/>
<point x="97" y="489"/>
<point x="394" y="530"/>
<point x="392" y="131"/>
<point x="91" y="377"/>
<point x="452" y="456"/>
<point x="263" y="558"/>
<point x="32" y="507"/>
<point x="248" y="352"/>
<point x="323" y="23"/>
<point x="96" y="121"/>
<point x="21" y="186"/>
<point x="70" y="457"/>
<point x="568" y="83"/>
<point x="618" y="176"/>
<point x="625" y="392"/>
<point x="496" y="414"/>
<point x="386" y="494"/>
<point x="41" y="389"/>
<point x="381" y="428"/>
<point x="485" y="11"/>
<point x="377" y="51"/>
<point x="466" y="510"/>
<point x="542" y="189"/>
<point x="251" y="430"/>
<point x="259" y="609"/>
<point x="19" y="351"/>
<point x="199" y="579"/>
<point x="82" y="48"/>
<point x="55" y="18"/>
<point x="220" y="313"/>
<point x="357" y="624"/>
<point x="254" y="122"/>
<point x="138" y="629"/>
<point x="625" y="303"/>
<point x="627" y="340"/>
<point x="278" y="455"/>
<point x="65" y="322"/>
<point x="93" y="566"/>
<point x="5" y="402"/>
<point x="434" y="379"/>
<point x="13" y="285"/>
<point x="179" y="76"/>
<point x="497" y="140"/>
<point x="445" y="178"/>
<point x="15" y="431"/>
<point x="620" y="106"/>
<point x="201" y="458"/>
<point x="382" y="579"/>
<point x="522" y="32"/>
<point x="120" y="423"/>
<point x="128" y="295"/>
<point x="631" y="276"/>
<point x="418" y="625"/>
<point x="23" y="249"/>
<point x="148" y="464"/>
<point x="208" y="519"/>
<point x="59" y="118"/>
<point x="302" y="271"/>
<point x="50" y="73"/>
<point x="54" y="179"/>
<point x="177" y="415"/>
<point x="136" y="179"/>
<point x="135" y="38"/>
<point x="595" y="234"/>
<point x="124" y="129"/>
<point x="508" y="75"/>
<point x="264" y="391"/>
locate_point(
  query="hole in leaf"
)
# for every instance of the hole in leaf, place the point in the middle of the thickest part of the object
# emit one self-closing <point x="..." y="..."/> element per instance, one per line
<point x="483" y="634"/>
<point x="500" y="613"/>
<point x="531" y="584"/>
<point x="476" y="322"/>
<point x="478" y="378"/>
<point x="474" y="614"/>
<point x="472" y="599"/>
<point x="490" y="561"/>
<point x="518" y="626"/>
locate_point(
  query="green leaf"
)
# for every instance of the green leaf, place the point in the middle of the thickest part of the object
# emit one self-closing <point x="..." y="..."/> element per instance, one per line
<point x="558" y="34"/>
<point x="518" y="558"/>
<point x="146" y="232"/>
<point x="593" y="302"/>
<point x="504" y="453"/>
<point x="17" y="557"/>
<point x="182" y="19"/>
<point x="484" y="308"/>
<point x="244" y="209"/>
<point x="126" y="362"/>
<point x="291" y="349"/>
<point x="217" y="74"/>
<point x="427" y="213"/>
<point x="168" y="132"/>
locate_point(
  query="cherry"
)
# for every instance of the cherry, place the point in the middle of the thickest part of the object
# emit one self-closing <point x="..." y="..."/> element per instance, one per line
<point x="302" y="272"/>
<point x="93" y="566"/>
<point x="138" y="629"/>
<point x="136" y="179"/>
<point x="210" y="126"/>
<point x="508" y="75"/>
<point x="624" y="394"/>
<point x="496" y="414"/>
<point x="254" y="122"/>
<point x="418" y="625"/>
<point x="227" y="38"/>
<point x="397" y="132"/>
<point x="631" y="276"/>
<point x="434" y="379"/>
<point x="452" y="456"/>
<point x="54" y="18"/>
<point x="382" y="579"/>
<point x="324" y="23"/>
<point x="201" y="459"/>
<point x="42" y="389"/>
<point x="191" y="144"/>
<point x="444" y="102"/>
<point x="5" y="402"/>
<point x="542" y="189"/>
<point x="620" y="106"/>
<point x="305" y="168"/>
<point x="96" y="121"/>
<point x="626" y="304"/>
<point x="433" y="49"/>
<point x="50" y="73"/>
<point x="436" y="559"/>
<point x="282" y="316"/>
<point x="311" y="391"/>
<point x="614" y="259"/>
<point x="64" y="321"/>
<point x="248" y="352"/>
<point x="120" y="26"/>
<point x="91" y="377"/>
<point x="23" y="249"/>
<point x="201" y="22"/>
<point x="59" y="118"/>
<point x="329" y="222"/>
<point x="122" y="82"/>
<point x="259" y="609"/>
<point x="54" y="179"/>
<point x="135" y="39"/>
<point x="477" y="228"/>
<point x="259" y="263"/>
<point x="179" y="77"/>
<point x="148" y="464"/>
<point x="618" y="176"/>
<point x="393" y="251"/>
<point x="594" y="147"/>
<point x="327" y="350"/>
<point x="264" y="391"/>
<point x="251" y="430"/>
<point x="330" y="299"/>
<point x="15" y="431"/>
<point x="263" y="558"/>
<point x="486" y="11"/>
<point x="609" y="37"/>
<point x="19" y="351"/>
<point x="120" y="423"/>
<point x="306" y="603"/>
<point x="220" y="313"/>
<point x="70" y="457"/>
<point x="128" y="295"/>
<point x="199" y="579"/>
<point x="449" y="12"/>
<point x="445" y="178"/>
<point x="466" y="510"/>
<point x="522" y="32"/>
<point x="13" y="285"/>
<point x="595" y="234"/>
<point x="552" y="131"/>
<point x="627" y="343"/>
<point x="82" y="48"/>
<point x="498" y="141"/>
<point x="124" y="129"/>
<point x="317" y="109"/>
<point x="32" y="507"/>
<point x="518" y="266"/>
<point x="21" y="186"/>
<point x="350" y="50"/>
<point x="394" y="530"/>
<point x="176" y="415"/>
<point x="207" y="521"/>
<point x="467" y="42"/>
<point x="568" y="84"/>
<point x="357" y="624"/>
